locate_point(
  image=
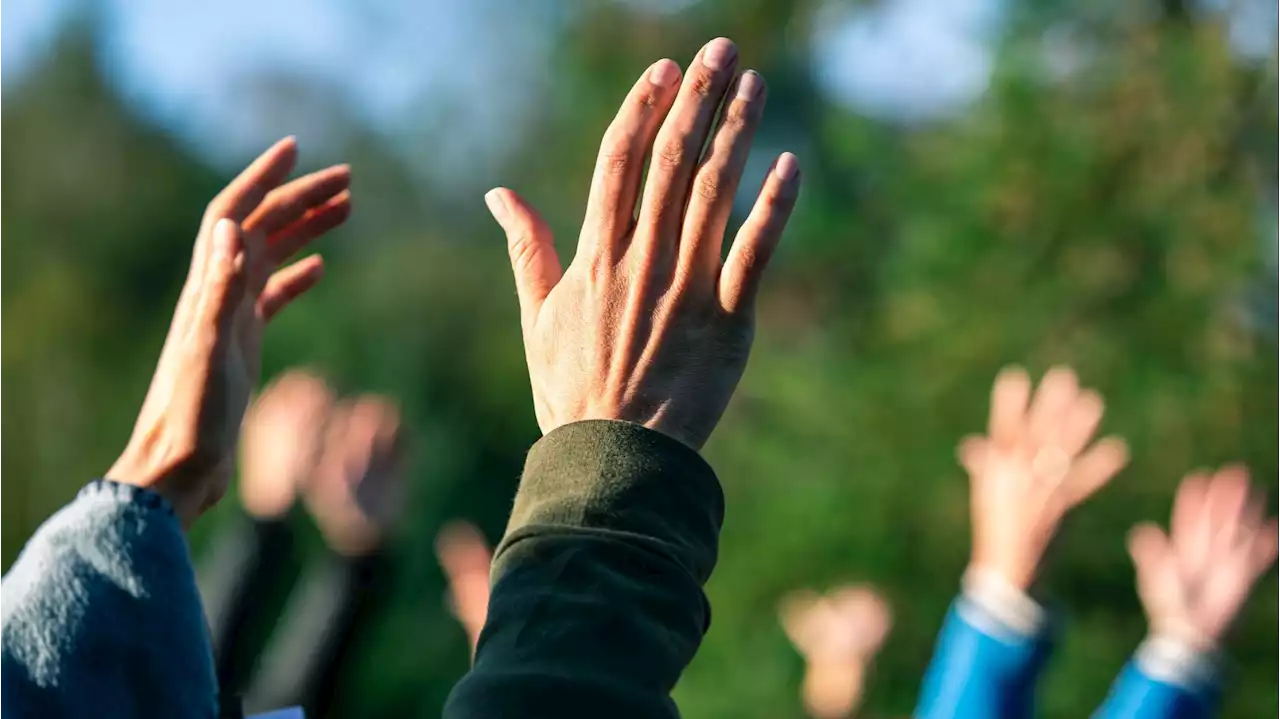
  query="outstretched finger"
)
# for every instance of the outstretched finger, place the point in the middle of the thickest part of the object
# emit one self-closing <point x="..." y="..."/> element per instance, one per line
<point x="1081" y="422"/>
<point x="289" y="202"/>
<point x="759" y="236"/>
<point x="716" y="181"/>
<point x="250" y="187"/>
<point x="314" y="223"/>
<point x="288" y="284"/>
<point x="534" y="261"/>
<point x="1049" y="407"/>
<point x="1006" y="424"/>
<point x="620" y="165"/>
<point x="1093" y="469"/>
<point x="222" y="288"/>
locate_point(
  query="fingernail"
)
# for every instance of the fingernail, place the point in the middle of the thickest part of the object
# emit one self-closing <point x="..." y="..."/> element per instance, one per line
<point x="497" y="206"/>
<point x="749" y="85"/>
<point x="787" y="167"/>
<point x="664" y="73"/>
<point x="719" y="53"/>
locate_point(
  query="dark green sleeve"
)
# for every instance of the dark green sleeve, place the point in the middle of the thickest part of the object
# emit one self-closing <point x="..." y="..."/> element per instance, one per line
<point x="597" y="603"/>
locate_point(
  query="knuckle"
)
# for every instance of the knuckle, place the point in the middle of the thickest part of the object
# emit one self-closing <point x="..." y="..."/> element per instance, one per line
<point x="735" y="119"/>
<point x="617" y="156"/>
<point x="710" y="184"/>
<point x="671" y="155"/>
<point x="523" y="249"/>
<point x="701" y="85"/>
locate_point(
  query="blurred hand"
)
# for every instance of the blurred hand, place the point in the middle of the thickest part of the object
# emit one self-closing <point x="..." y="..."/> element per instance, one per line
<point x="183" y="445"/>
<point x="281" y="441"/>
<point x="1193" y="583"/>
<point x="838" y="635"/>
<point x="465" y="558"/>
<point x="358" y="488"/>
<point x="1032" y="468"/>
<point x="646" y="324"/>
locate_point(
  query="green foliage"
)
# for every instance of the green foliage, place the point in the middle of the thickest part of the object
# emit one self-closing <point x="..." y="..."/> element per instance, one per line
<point x="1109" y="218"/>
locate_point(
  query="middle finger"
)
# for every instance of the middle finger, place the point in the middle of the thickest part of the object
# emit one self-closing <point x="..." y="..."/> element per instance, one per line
<point x="679" y="144"/>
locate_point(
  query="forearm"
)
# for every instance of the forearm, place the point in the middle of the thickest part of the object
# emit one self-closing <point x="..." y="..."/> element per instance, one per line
<point x="101" y="616"/>
<point x="613" y="533"/>
<point x="305" y="664"/>
<point x="243" y="582"/>
<point x="1168" y="678"/>
<point x="991" y="650"/>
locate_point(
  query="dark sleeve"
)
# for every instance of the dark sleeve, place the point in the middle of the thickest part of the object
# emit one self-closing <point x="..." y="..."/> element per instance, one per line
<point x="597" y="603"/>
<point x="304" y="665"/>
<point x="244" y="581"/>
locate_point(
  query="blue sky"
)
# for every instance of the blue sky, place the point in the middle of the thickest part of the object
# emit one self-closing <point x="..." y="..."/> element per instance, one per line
<point x="473" y="64"/>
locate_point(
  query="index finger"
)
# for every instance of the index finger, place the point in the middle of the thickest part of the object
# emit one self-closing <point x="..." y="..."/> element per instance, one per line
<point x="250" y="187"/>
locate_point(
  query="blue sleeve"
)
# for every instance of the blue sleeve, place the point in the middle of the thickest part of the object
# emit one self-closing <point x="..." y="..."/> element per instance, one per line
<point x="981" y="668"/>
<point x="1137" y="695"/>
<point x="101" y="616"/>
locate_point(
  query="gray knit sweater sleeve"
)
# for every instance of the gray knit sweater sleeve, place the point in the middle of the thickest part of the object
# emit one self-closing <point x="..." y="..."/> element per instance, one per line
<point x="101" y="616"/>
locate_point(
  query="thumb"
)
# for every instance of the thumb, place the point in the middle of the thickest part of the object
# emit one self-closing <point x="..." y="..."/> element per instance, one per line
<point x="529" y="242"/>
<point x="225" y="278"/>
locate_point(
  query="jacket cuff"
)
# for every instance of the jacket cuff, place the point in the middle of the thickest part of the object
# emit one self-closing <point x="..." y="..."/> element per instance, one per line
<point x="1000" y="609"/>
<point x="621" y="477"/>
<point x="111" y="490"/>
<point x="1174" y="660"/>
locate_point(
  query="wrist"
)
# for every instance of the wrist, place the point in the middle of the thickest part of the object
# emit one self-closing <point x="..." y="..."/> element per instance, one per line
<point x="1008" y="604"/>
<point x="1017" y="574"/>
<point x="188" y="492"/>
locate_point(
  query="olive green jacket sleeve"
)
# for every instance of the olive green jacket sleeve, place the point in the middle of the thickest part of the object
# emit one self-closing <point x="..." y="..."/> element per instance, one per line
<point x="597" y="603"/>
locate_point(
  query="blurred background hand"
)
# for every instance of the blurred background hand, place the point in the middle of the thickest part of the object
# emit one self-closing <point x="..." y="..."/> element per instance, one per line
<point x="1034" y="465"/>
<point x="838" y="634"/>
<point x="465" y="558"/>
<point x="358" y="490"/>
<point x="1194" y="580"/>
<point x="281" y="442"/>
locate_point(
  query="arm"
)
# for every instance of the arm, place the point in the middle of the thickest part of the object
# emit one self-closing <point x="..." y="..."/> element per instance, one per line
<point x="613" y="533"/>
<point x="597" y="602"/>
<point x="246" y="578"/>
<point x="1034" y="465"/>
<point x="102" y="616"/>
<point x="992" y="648"/>
<point x="304" y="663"/>
<point x="243" y="583"/>
<point x="1167" y="679"/>
<point x="102" y="605"/>
<point x="355" y="496"/>
<point x="1192" y="583"/>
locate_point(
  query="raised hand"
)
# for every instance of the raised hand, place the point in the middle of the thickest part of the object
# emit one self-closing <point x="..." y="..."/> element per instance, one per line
<point x="281" y="441"/>
<point x="646" y="324"/>
<point x="465" y="558"/>
<point x="183" y="445"/>
<point x="358" y="488"/>
<point x="838" y="635"/>
<point x="1193" y="582"/>
<point x="1034" y="465"/>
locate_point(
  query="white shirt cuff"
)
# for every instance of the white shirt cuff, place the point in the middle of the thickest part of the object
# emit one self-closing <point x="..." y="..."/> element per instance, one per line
<point x="1174" y="660"/>
<point x="991" y="595"/>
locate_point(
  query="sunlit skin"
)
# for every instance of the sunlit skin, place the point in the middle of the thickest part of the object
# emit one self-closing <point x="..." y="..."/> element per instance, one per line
<point x="281" y="442"/>
<point x="839" y="635"/>
<point x="358" y="490"/>
<point x="1194" y="580"/>
<point x="184" y="443"/>
<point x="647" y="324"/>
<point x="1035" y="464"/>
<point x="465" y="558"/>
